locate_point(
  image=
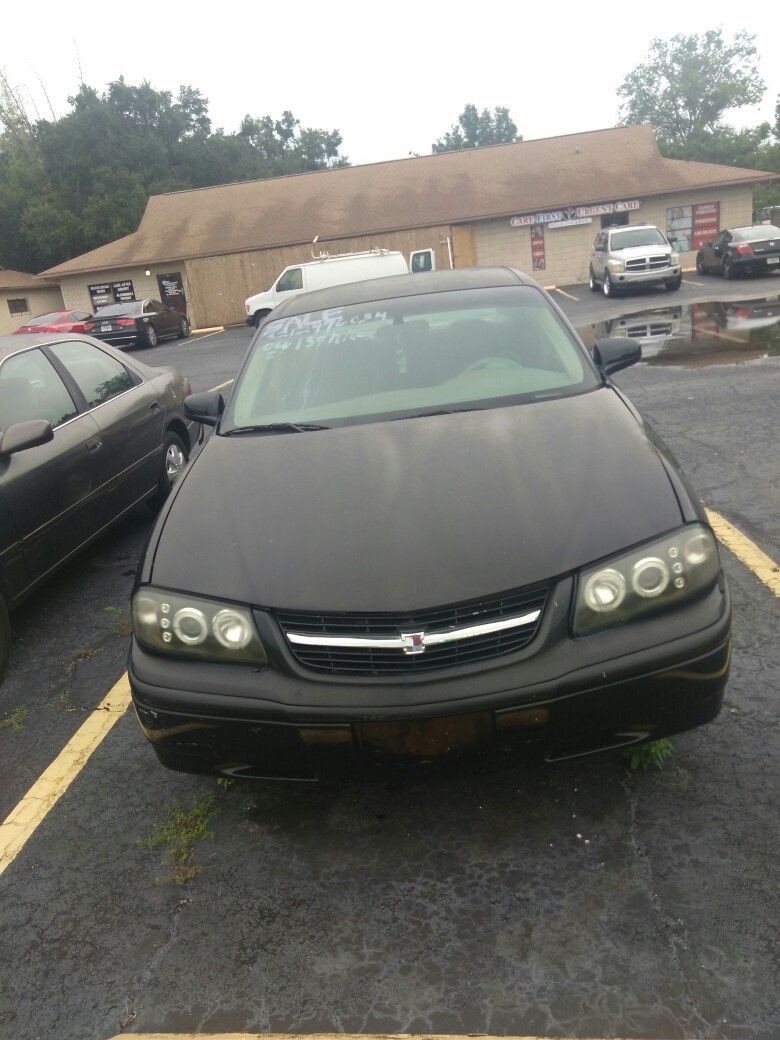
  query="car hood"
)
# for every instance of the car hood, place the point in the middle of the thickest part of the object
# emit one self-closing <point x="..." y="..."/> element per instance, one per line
<point x="414" y="513"/>
<point x="639" y="251"/>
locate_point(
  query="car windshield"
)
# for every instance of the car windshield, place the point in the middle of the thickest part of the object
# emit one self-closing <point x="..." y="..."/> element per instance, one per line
<point x="49" y="319"/>
<point x="118" y="308"/>
<point x="636" y="237"/>
<point x="397" y="358"/>
<point x="757" y="234"/>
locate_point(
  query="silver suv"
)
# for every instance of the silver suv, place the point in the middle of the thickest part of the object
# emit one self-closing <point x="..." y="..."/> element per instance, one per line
<point x="633" y="255"/>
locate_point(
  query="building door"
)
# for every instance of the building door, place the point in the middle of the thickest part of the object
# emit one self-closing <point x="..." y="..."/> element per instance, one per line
<point x="172" y="291"/>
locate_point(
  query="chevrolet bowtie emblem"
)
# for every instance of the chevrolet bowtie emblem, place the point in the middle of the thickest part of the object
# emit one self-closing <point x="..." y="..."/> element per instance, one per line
<point x="414" y="642"/>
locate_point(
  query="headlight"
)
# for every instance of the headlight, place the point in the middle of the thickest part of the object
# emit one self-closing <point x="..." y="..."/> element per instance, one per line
<point x="616" y="265"/>
<point x="674" y="260"/>
<point x="172" y="622"/>
<point x="657" y="574"/>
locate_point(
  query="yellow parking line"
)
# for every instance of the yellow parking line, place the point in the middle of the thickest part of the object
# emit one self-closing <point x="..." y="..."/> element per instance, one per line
<point x="52" y="784"/>
<point x="566" y="294"/>
<point x="221" y="386"/>
<point x="690" y="281"/>
<point x="326" y="1036"/>
<point x="724" y="335"/>
<point x="212" y="330"/>
<point x="763" y="566"/>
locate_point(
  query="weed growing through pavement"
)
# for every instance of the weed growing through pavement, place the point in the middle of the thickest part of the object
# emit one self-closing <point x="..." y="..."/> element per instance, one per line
<point x="653" y="754"/>
<point x="16" y="719"/>
<point x="122" y="626"/>
<point x="180" y="833"/>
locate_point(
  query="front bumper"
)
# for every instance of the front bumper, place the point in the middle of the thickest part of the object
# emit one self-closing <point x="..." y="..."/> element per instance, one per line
<point x="570" y="696"/>
<point x="658" y="274"/>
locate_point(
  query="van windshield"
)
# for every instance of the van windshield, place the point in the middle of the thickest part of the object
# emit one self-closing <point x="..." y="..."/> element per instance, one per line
<point x="636" y="237"/>
<point x="473" y="348"/>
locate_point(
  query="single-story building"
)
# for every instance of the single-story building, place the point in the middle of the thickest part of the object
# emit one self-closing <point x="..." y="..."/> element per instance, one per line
<point x="22" y="296"/>
<point x="536" y="205"/>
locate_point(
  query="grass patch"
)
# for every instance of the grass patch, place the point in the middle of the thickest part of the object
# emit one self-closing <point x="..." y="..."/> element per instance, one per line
<point x="180" y="833"/>
<point x="653" y="753"/>
<point x="16" y="719"/>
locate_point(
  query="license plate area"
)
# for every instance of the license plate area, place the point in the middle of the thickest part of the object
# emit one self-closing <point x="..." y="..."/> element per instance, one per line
<point x="424" y="738"/>
<point x="106" y="327"/>
<point x="773" y="259"/>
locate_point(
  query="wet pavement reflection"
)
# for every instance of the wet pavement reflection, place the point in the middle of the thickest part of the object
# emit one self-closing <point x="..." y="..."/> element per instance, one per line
<point x="700" y="334"/>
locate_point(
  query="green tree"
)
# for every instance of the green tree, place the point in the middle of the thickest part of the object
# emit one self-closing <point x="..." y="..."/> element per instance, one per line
<point x="475" y="129"/>
<point x="688" y="83"/>
<point x="71" y="184"/>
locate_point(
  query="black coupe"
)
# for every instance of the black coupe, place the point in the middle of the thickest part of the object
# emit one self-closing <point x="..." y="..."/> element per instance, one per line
<point x="85" y="434"/>
<point x="142" y="323"/>
<point x="427" y="520"/>
<point x="746" y="250"/>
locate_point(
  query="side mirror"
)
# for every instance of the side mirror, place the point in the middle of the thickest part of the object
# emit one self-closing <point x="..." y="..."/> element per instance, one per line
<point x="25" y="435"/>
<point x="206" y="408"/>
<point x="616" y="352"/>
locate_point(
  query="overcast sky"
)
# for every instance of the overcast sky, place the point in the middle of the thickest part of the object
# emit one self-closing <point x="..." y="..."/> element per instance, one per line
<point x="391" y="77"/>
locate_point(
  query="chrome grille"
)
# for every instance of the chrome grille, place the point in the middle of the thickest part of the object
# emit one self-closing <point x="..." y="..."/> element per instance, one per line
<point x="459" y="634"/>
<point x="647" y="263"/>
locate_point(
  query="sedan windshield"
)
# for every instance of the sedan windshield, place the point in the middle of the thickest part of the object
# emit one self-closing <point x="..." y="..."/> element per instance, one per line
<point x="757" y="234"/>
<point x="119" y="308"/>
<point x="397" y="358"/>
<point x="636" y="237"/>
<point x="49" y="319"/>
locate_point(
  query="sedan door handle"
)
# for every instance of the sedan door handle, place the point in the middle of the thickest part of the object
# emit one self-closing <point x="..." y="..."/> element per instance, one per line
<point x="154" y="407"/>
<point x="93" y="444"/>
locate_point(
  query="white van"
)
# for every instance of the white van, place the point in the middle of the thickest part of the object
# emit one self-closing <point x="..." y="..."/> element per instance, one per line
<point x="335" y="270"/>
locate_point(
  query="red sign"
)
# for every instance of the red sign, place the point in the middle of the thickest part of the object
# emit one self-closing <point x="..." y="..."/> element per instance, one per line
<point x="537" y="247"/>
<point x="706" y="223"/>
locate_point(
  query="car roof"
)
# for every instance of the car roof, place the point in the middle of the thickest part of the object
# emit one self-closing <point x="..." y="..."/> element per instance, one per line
<point x="753" y="227"/>
<point x="400" y="285"/>
<point x="14" y="344"/>
<point x="634" y="227"/>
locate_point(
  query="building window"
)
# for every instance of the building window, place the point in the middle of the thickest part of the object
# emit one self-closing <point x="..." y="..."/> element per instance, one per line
<point x="614" y="220"/>
<point x="18" y="307"/>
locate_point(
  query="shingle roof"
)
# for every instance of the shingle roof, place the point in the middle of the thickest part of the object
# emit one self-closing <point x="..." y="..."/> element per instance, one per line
<point x="20" y="280"/>
<point x="453" y="187"/>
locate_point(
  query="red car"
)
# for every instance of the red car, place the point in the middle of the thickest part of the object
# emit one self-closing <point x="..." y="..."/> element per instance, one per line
<point x="56" y="321"/>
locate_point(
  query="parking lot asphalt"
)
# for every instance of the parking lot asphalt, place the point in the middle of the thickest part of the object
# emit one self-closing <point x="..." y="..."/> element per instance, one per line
<point x="568" y="900"/>
<point x="583" y="306"/>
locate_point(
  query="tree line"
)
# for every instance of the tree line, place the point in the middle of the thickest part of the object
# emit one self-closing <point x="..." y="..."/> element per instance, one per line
<point x="71" y="184"/>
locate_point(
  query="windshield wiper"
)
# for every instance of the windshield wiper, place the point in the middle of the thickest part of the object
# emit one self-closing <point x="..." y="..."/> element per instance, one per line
<point x="277" y="427"/>
<point x="437" y="411"/>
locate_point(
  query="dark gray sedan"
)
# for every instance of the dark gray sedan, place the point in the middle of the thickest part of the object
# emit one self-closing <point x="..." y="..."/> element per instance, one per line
<point x="745" y="250"/>
<point x="85" y="434"/>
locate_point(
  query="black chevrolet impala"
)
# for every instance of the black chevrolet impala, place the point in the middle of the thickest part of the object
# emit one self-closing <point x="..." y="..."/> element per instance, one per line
<point x="427" y="521"/>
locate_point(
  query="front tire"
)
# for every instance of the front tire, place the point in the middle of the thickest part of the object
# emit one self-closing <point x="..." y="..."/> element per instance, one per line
<point x="152" y="339"/>
<point x="728" y="270"/>
<point x="593" y="285"/>
<point x="5" y="637"/>
<point x="184" y="329"/>
<point x="175" y="458"/>
<point x="260" y="317"/>
<point x="700" y="268"/>
<point x="674" y="285"/>
<point x="607" y="287"/>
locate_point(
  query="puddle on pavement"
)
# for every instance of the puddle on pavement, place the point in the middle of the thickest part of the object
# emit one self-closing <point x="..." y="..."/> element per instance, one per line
<point x="700" y="334"/>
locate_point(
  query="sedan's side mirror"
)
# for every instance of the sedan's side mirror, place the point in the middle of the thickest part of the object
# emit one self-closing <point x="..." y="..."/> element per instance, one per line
<point x="616" y="352"/>
<point x="206" y="408"/>
<point x="23" y="435"/>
